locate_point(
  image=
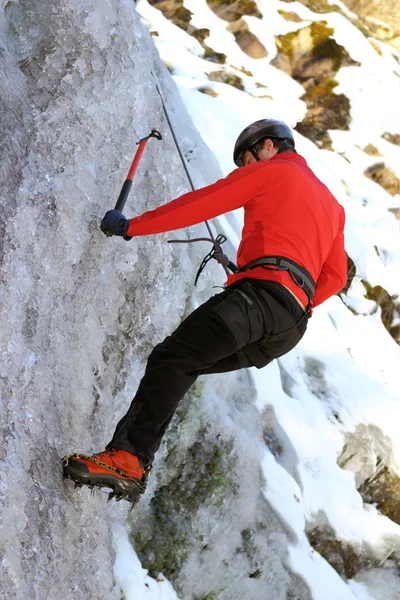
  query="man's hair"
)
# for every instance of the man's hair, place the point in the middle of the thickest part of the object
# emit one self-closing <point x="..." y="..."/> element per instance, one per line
<point x="283" y="144"/>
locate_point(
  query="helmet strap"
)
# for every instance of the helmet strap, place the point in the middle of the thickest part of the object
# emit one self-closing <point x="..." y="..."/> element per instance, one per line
<point x="254" y="153"/>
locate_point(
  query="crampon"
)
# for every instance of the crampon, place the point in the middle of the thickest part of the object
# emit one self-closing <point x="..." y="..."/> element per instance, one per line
<point x="94" y="473"/>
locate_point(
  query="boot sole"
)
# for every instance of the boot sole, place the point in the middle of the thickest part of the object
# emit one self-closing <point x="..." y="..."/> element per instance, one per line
<point x="130" y="490"/>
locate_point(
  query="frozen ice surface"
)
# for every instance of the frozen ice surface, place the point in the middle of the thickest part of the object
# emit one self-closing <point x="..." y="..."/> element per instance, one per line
<point x="79" y="311"/>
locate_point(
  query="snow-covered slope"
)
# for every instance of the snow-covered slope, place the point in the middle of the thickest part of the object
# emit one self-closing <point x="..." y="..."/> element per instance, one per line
<point x="272" y="484"/>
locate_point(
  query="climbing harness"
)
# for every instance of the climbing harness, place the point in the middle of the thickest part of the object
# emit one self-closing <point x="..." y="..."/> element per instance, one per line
<point x="299" y="274"/>
<point x="126" y="188"/>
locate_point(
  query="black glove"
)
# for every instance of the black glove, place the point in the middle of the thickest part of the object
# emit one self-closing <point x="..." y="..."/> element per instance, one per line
<point x="114" y="223"/>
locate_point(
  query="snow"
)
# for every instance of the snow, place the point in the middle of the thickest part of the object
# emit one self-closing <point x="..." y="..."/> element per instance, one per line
<point x="345" y="371"/>
<point x="133" y="579"/>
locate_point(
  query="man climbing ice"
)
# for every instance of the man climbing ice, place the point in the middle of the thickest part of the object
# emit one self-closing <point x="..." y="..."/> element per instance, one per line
<point x="291" y="258"/>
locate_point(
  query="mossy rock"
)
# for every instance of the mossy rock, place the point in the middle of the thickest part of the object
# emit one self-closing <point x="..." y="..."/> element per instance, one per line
<point x="343" y="557"/>
<point x="216" y="57"/>
<point x="250" y="44"/>
<point x="385" y="176"/>
<point x="208" y="92"/>
<point x="312" y="53"/>
<point x="351" y="273"/>
<point x="247" y="41"/>
<point x="331" y="111"/>
<point x="292" y="17"/>
<point x="372" y="150"/>
<point x="383" y="490"/>
<point x="232" y="10"/>
<point x="174" y="11"/>
<point x="313" y="58"/>
<point x="205" y="474"/>
<point x="390" y="307"/>
<point x="180" y="16"/>
<point x="387" y="13"/>
<point x="393" y="138"/>
<point x="367" y="453"/>
<point x="228" y="78"/>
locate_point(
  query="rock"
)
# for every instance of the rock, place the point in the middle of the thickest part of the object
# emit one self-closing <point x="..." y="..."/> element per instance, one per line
<point x="390" y="308"/>
<point x="325" y="110"/>
<point x="393" y="138"/>
<point x="313" y="58"/>
<point x="365" y="449"/>
<point x="232" y="10"/>
<point x="351" y="273"/>
<point x="342" y="556"/>
<point x="208" y="92"/>
<point x="290" y="16"/>
<point x="385" y="176"/>
<point x="368" y="454"/>
<point x="181" y="16"/>
<point x="396" y="212"/>
<point x="174" y="11"/>
<point x="371" y="150"/>
<point x="212" y="56"/>
<point x="247" y="41"/>
<point x="383" y="18"/>
<point x="383" y="490"/>
<point x="228" y="78"/>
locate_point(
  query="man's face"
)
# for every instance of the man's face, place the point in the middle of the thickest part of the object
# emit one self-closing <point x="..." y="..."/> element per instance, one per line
<point x="266" y="152"/>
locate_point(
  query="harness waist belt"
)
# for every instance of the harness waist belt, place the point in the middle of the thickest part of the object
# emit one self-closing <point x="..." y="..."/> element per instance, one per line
<point x="299" y="274"/>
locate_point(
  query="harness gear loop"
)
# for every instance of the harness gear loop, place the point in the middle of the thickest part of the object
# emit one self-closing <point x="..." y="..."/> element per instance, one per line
<point x="215" y="253"/>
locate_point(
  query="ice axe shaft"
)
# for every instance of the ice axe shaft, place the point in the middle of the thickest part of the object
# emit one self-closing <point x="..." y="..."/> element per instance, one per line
<point x="126" y="188"/>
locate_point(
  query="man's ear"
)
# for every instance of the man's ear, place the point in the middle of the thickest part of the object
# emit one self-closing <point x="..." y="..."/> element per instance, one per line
<point x="268" y="144"/>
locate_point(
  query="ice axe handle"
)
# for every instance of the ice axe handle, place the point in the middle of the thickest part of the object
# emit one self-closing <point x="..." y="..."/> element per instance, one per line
<point x="123" y="196"/>
<point x="126" y="188"/>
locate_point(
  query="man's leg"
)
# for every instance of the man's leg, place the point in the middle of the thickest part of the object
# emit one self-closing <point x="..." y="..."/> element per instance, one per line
<point x="249" y="324"/>
<point x="211" y="337"/>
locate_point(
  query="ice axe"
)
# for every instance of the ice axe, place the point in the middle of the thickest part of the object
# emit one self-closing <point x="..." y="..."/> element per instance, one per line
<point x="126" y="188"/>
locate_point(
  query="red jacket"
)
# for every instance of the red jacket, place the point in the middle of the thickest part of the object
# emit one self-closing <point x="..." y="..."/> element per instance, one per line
<point x="288" y="212"/>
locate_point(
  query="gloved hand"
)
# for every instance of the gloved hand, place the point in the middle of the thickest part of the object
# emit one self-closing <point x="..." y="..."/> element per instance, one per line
<point x="115" y="223"/>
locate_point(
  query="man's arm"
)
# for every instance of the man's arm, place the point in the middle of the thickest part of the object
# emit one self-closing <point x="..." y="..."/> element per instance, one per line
<point x="333" y="275"/>
<point x="225" y="195"/>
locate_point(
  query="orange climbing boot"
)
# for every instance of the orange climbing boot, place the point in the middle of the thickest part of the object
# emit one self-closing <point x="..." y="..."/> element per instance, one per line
<point x="116" y="469"/>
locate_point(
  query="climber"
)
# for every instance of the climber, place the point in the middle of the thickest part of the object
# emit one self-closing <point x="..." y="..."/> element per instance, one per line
<point x="291" y="259"/>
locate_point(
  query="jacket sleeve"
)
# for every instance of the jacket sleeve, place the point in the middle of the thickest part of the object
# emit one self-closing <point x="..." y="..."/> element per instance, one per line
<point x="333" y="275"/>
<point x="225" y="195"/>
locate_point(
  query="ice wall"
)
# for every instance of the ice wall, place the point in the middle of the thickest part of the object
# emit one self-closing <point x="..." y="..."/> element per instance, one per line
<point x="79" y="312"/>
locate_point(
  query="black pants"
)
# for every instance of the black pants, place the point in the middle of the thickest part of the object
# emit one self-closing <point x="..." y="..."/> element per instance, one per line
<point x="249" y="324"/>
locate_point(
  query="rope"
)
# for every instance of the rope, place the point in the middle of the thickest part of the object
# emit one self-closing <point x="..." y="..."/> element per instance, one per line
<point x="188" y="176"/>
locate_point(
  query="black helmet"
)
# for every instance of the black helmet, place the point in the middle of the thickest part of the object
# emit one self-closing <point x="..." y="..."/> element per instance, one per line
<point x="256" y="132"/>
